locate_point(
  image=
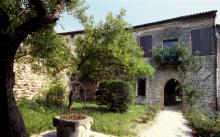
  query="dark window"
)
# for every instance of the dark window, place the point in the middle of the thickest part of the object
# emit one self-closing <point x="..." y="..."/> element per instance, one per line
<point x="141" y="86"/>
<point x="196" y="42"/>
<point x="201" y="41"/>
<point x="146" y="45"/>
<point x="170" y="43"/>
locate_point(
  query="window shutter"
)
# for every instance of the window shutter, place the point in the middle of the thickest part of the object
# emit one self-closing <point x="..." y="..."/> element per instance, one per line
<point x="146" y="44"/>
<point x="201" y="41"/>
<point x="196" y="42"/>
<point x="205" y="35"/>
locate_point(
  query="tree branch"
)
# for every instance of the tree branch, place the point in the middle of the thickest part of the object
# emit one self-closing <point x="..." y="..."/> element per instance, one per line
<point x="40" y="7"/>
<point x="42" y="20"/>
<point x="33" y="25"/>
<point x="58" y="8"/>
<point x="4" y="19"/>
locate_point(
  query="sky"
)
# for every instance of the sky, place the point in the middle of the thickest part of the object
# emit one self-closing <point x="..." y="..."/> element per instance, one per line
<point x="139" y="11"/>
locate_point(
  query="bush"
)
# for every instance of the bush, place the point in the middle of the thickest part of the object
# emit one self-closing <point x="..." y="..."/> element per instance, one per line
<point x="150" y="113"/>
<point x="55" y="94"/>
<point x="116" y="95"/>
<point x="204" y="125"/>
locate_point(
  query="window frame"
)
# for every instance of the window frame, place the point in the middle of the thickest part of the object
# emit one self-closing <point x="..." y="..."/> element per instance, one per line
<point x="170" y="40"/>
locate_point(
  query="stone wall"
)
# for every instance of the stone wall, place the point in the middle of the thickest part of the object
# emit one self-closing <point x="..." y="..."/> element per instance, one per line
<point x="218" y="67"/>
<point x="28" y="83"/>
<point x="205" y="76"/>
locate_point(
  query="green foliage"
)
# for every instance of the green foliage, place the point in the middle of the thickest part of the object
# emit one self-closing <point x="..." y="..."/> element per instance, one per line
<point x="38" y="117"/>
<point x="116" y="95"/>
<point x="55" y="93"/>
<point x="192" y="94"/>
<point x="177" y="55"/>
<point x="20" y="11"/>
<point x="150" y="113"/>
<point x="109" y="50"/>
<point x="49" y="51"/>
<point x="204" y="125"/>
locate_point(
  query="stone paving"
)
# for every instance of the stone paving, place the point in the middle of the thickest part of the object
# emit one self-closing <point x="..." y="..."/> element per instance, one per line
<point x="169" y="123"/>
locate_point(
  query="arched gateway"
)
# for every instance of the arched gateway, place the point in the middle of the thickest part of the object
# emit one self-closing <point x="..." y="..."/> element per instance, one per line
<point x="172" y="93"/>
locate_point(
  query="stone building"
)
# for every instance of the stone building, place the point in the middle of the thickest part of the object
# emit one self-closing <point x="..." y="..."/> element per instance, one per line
<point x="197" y="32"/>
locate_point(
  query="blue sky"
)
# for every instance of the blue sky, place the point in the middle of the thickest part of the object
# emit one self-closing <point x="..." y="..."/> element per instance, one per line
<point x="140" y="11"/>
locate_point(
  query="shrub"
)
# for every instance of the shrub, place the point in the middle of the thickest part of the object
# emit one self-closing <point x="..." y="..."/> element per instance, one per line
<point x="150" y="113"/>
<point x="54" y="94"/>
<point x="116" y="95"/>
<point x="192" y="93"/>
<point x="204" y="125"/>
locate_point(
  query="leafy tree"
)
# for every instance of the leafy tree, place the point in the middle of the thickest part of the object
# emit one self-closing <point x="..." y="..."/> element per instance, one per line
<point x="18" y="20"/>
<point x="108" y="50"/>
<point x="57" y="56"/>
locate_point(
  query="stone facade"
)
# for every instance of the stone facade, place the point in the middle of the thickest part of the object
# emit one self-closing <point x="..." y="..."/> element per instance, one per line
<point x="218" y="66"/>
<point x="180" y="28"/>
<point x="206" y="77"/>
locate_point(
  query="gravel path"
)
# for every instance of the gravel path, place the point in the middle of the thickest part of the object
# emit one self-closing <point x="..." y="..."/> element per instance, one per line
<point x="169" y="123"/>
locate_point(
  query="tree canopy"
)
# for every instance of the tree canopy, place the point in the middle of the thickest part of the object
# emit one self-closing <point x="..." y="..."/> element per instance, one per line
<point x="20" y="20"/>
<point x="109" y="50"/>
<point x="47" y="51"/>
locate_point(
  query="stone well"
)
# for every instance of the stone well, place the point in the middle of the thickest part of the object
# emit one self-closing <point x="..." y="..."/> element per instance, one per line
<point x="73" y="125"/>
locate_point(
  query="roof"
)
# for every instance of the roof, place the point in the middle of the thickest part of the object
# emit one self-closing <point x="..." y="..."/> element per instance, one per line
<point x="72" y="32"/>
<point x="181" y="18"/>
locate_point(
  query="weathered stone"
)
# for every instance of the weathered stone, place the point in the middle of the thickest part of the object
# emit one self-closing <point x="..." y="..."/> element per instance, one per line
<point x="73" y="128"/>
<point x="205" y="77"/>
<point x="27" y="82"/>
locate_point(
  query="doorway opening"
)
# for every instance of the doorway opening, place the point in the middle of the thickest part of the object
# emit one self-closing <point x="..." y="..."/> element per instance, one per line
<point x="172" y="93"/>
<point x="141" y="86"/>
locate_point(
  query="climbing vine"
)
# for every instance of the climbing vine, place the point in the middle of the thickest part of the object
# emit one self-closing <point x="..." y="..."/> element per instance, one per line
<point x="178" y="56"/>
<point x="191" y="92"/>
<point x="187" y="64"/>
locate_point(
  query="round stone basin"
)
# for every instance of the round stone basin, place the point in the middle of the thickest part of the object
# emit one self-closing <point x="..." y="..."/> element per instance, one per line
<point x="73" y="125"/>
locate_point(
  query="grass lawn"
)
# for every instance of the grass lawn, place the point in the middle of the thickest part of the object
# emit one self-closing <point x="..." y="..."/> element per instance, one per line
<point x="38" y="117"/>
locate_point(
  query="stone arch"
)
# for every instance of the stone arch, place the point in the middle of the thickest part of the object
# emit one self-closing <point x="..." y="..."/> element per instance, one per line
<point x="172" y="92"/>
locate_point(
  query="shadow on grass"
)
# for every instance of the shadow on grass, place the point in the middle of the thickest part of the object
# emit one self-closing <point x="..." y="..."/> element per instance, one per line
<point x="77" y="107"/>
<point x="88" y="109"/>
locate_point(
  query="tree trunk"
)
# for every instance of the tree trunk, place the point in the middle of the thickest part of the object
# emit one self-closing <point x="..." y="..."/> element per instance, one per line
<point x="11" y="122"/>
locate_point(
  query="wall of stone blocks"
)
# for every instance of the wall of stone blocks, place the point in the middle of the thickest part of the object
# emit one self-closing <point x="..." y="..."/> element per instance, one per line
<point x="28" y="83"/>
<point x="206" y="74"/>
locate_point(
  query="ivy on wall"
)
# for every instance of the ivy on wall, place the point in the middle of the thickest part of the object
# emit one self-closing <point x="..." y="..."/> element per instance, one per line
<point x="187" y="63"/>
<point x="178" y="56"/>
